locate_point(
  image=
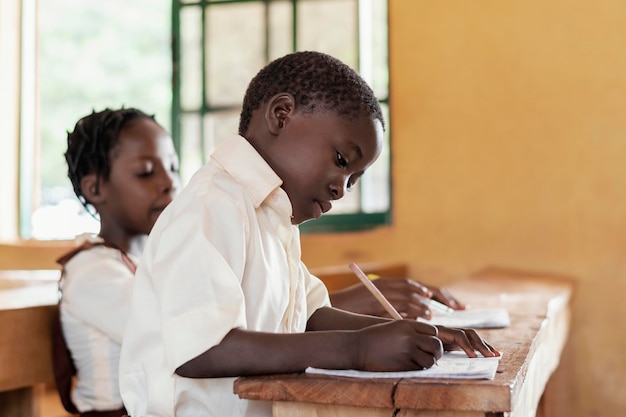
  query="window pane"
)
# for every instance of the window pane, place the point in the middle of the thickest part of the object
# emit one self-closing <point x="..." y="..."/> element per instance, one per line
<point x="330" y="27"/>
<point x="105" y="58"/>
<point x="373" y="36"/>
<point x="376" y="184"/>
<point x="235" y="48"/>
<point x="190" y="154"/>
<point x="218" y="126"/>
<point x="190" y="58"/>
<point x="281" y="33"/>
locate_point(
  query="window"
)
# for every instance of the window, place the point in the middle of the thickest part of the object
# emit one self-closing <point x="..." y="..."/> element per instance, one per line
<point x="87" y="54"/>
<point x="80" y="55"/>
<point x="220" y="45"/>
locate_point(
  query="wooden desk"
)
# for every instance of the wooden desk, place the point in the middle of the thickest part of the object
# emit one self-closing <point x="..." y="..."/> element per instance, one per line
<point x="27" y="306"/>
<point x="539" y="306"/>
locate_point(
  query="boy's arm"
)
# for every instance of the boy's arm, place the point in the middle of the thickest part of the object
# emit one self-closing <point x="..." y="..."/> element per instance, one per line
<point x="244" y="352"/>
<point x="384" y="345"/>
<point x="330" y="318"/>
<point x="389" y="346"/>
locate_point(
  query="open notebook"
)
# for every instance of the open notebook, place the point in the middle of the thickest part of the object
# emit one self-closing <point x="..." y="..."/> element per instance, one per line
<point x="477" y="318"/>
<point x="455" y="365"/>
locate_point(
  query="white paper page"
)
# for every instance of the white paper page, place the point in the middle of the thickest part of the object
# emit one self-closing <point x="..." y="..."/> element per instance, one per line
<point x="455" y="365"/>
<point x="491" y="318"/>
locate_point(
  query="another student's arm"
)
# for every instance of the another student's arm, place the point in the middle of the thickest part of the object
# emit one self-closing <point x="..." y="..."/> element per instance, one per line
<point x="402" y="293"/>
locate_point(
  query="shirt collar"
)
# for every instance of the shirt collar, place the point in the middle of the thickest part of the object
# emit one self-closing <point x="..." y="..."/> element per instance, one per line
<point x="239" y="158"/>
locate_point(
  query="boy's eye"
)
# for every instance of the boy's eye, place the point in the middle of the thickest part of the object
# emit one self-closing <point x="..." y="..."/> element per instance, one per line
<point x="351" y="183"/>
<point x="341" y="161"/>
<point x="144" y="174"/>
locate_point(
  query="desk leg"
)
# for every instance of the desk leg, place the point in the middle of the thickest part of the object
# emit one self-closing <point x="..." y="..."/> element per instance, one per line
<point x="293" y="409"/>
<point x="22" y="402"/>
<point x="556" y="401"/>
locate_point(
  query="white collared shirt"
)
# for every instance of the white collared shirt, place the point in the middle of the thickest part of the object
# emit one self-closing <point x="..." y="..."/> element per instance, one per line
<point x="223" y="255"/>
<point x="97" y="287"/>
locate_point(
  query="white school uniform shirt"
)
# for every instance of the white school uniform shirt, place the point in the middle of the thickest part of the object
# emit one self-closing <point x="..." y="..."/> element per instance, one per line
<point x="97" y="287"/>
<point x="222" y="255"/>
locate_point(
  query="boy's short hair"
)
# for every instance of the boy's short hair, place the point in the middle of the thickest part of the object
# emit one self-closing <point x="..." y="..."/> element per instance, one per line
<point x="90" y="143"/>
<point x="317" y="81"/>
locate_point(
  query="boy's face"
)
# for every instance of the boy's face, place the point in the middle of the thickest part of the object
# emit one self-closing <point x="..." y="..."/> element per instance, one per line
<point x="143" y="178"/>
<point x="320" y="155"/>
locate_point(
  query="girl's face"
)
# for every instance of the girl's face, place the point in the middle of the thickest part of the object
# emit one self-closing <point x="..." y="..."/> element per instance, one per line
<point x="321" y="155"/>
<point x="143" y="178"/>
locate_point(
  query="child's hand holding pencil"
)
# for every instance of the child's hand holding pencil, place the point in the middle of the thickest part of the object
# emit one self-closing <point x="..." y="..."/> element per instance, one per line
<point x="467" y="340"/>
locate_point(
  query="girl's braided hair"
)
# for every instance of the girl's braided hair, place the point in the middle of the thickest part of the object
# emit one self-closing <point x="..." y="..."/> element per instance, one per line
<point x="90" y="144"/>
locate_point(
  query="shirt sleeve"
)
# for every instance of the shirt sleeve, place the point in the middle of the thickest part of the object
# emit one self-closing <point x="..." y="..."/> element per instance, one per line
<point x="316" y="292"/>
<point x="199" y="310"/>
<point x="98" y="289"/>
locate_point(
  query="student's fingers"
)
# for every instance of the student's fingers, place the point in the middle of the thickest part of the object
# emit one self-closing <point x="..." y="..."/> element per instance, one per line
<point x="424" y="359"/>
<point x="454" y="339"/>
<point x="398" y="345"/>
<point x="480" y="344"/>
<point x="467" y="340"/>
<point x="413" y="309"/>
<point x="401" y="286"/>
<point x="445" y="297"/>
<point x="401" y="293"/>
<point x="424" y="328"/>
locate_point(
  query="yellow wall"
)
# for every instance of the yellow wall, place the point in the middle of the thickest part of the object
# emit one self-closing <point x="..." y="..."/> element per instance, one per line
<point x="510" y="148"/>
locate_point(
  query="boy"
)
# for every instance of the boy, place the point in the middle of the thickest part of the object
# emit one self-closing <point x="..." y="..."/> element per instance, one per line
<point x="221" y="291"/>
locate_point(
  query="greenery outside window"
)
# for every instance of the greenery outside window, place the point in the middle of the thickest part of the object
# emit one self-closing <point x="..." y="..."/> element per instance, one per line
<point x="218" y="46"/>
<point x="82" y="55"/>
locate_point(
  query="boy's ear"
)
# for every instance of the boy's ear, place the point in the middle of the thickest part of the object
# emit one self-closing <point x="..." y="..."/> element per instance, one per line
<point x="278" y="111"/>
<point x="90" y="187"/>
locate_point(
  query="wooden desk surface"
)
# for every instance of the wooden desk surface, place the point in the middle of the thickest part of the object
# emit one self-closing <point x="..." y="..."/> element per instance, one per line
<point x="538" y="305"/>
<point x="27" y="306"/>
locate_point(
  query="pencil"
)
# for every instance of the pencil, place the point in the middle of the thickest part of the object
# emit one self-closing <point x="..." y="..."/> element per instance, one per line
<point x="375" y="291"/>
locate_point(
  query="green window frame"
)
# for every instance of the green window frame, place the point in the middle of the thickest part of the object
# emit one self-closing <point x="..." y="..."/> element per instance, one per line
<point x="206" y="33"/>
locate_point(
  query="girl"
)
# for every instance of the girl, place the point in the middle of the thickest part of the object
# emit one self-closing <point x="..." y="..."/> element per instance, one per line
<point x="124" y="169"/>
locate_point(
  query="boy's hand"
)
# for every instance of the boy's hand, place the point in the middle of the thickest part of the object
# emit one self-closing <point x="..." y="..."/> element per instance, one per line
<point x="398" y="345"/>
<point x="467" y="340"/>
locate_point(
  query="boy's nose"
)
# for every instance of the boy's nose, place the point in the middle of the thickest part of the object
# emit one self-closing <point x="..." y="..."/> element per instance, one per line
<point x="337" y="191"/>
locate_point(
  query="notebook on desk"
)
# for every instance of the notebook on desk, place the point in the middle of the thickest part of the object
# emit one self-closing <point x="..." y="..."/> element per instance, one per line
<point x="455" y="365"/>
<point x="477" y="318"/>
